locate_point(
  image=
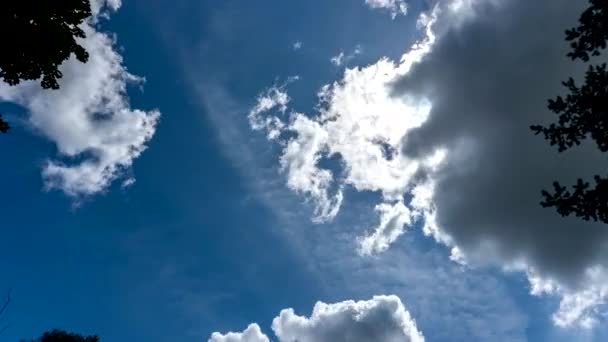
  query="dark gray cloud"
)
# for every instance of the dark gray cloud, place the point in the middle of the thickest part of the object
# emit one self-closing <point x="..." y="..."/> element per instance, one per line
<point x="488" y="76"/>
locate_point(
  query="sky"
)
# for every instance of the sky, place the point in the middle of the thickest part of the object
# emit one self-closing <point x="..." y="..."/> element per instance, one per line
<point x="345" y="170"/>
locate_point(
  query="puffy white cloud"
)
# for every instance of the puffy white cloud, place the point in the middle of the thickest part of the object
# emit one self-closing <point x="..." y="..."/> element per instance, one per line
<point x="381" y="319"/>
<point x="359" y="122"/>
<point x="299" y="161"/>
<point x="395" y="7"/>
<point x="297" y="45"/>
<point x="300" y="157"/>
<point x="89" y="119"/>
<point x="443" y="136"/>
<point x="253" y="333"/>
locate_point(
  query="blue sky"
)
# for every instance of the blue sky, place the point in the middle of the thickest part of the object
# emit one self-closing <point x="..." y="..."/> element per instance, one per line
<point x="212" y="236"/>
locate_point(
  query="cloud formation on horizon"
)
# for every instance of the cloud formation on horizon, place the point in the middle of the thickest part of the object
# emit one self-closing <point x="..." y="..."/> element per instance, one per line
<point x="381" y="319"/>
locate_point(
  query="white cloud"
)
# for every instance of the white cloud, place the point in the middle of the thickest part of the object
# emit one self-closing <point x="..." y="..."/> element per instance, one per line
<point x="253" y="333"/>
<point x="381" y="319"/>
<point x="361" y="123"/>
<point x="395" y="7"/>
<point x="98" y="5"/>
<point x="448" y="127"/>
<point x="89" y="118"/>
<point x="299" y="161"/>
<point x="101" y="9"/>
<point x="338" y="59"/>
<point x="274" y="98"/>
<point x="341" y="58"/>
<point x="584" y="306"/>
<point x="393" y="217"/>
<point x="300" y="156"/>
<point x="297" y="45"/>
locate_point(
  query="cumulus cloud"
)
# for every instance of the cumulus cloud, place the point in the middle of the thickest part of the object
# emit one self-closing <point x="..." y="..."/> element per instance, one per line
<point x="297" y="45"/>
<point x="253" y="333"/>
<point x="395" y="7"/>
<point x="488" y="77"/>
<point x="300" y="157"/>
<point x="97" y="134"/>
<point x="360" y="123"/>
<point x="382" y="319"/>
<point x="443" y="136"/>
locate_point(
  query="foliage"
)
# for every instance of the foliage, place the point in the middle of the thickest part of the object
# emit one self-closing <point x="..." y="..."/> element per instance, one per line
<point x="62" y="336"/>
<point x="37" y="37"/>
<point x="582" y="114"/>
<point x="4" y="127"/>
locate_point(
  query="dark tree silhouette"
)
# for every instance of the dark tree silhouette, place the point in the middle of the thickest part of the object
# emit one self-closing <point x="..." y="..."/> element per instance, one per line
<point x="4" y="127"/>
<point x="583" y="114"/>
<point x="3" y="308"/>
<point x="62" y="336"/>
<point x="37" y="37"/>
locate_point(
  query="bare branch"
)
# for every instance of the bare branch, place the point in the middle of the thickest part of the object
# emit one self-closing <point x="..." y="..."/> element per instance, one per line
<point x="6" y="303"/>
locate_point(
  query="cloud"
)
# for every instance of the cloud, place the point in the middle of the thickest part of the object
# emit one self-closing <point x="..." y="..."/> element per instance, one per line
<point x="297" y="45"/>
<point x="468" y="305"/>
<point x="360" y="123"/>
<point x="338" y="59"/>
<point x="97" y="6"/>
<point x="393" y="217"/>
<point x="89" y="119"/>
<point x="341" y="58"/>
<point x="275" y="98"/>
<point x="253" y="333"/>
<point x="300" y="157"/>
<point x="395" y="7"/>
<point x="488" y="77"/>
<point x="443" y="136"/>
<point x="382" y="319"/>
